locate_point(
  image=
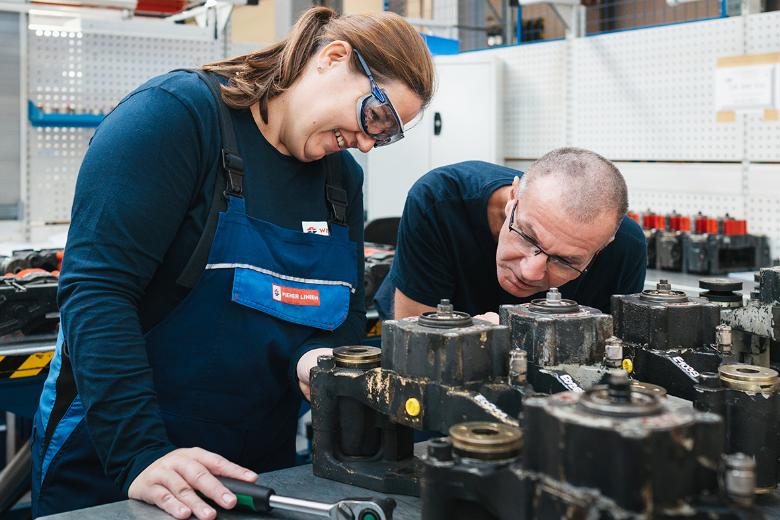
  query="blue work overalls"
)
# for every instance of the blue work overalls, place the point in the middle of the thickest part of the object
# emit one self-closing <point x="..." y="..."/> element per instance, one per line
<point x="221" y="359"/>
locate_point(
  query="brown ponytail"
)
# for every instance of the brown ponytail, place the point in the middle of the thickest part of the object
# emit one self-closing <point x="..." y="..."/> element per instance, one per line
<point x="390" y="45"/>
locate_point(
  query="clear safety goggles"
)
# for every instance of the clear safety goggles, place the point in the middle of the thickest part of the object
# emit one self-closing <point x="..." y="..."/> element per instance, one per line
<point x="376" y="114"/>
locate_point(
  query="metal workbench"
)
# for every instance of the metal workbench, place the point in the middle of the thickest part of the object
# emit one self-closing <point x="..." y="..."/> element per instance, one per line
<point x="298" y="482"/>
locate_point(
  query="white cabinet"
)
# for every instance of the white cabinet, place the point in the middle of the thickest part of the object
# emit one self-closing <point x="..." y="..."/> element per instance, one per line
<point x="461" y="124"/>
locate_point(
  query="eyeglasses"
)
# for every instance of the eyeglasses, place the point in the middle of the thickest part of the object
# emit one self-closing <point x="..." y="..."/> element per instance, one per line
<point x="556" y="264"/>
<point x="377" y="116"/>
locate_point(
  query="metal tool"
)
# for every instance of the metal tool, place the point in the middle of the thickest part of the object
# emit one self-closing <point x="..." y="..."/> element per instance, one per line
<point x="263" y="499"/>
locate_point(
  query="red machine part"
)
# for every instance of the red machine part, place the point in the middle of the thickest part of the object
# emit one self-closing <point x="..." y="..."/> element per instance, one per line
<point x="732" y="226"/>
<point x="704" y="224"/>
<point x="652" y="220"/>
<point x="634" y="216"/>
<point x="679" y="222"/>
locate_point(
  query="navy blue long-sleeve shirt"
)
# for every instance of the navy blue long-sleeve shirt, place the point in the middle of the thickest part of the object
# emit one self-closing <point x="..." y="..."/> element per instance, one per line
<point x="142" y="199"/>
<point x="446" y="249"/>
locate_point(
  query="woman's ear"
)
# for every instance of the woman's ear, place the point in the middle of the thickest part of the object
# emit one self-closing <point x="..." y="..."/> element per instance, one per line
<point x="336" y="52"/>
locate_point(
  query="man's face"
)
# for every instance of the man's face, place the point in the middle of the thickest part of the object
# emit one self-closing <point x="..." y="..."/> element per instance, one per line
<point x="521" y="269"/>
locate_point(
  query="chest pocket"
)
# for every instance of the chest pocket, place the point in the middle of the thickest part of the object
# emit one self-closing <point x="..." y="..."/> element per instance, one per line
<point x="322" y="304"/>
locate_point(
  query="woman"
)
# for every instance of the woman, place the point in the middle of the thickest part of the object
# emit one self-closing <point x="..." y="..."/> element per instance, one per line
<point x="185" y="344"/>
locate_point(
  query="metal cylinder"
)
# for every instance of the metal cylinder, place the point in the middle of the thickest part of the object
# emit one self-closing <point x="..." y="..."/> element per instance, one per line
<point x="739" y="478"/>
<point x="723" y="338"/>
<point x="518" y="366"/>
<point x="613" y="352"/>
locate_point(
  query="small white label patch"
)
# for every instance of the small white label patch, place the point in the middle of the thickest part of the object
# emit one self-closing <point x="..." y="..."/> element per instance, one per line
<point x="688" y="369"/>
<point x="318" y="228"/>
<point x="569" y="383"/>
<point x="494" y="410"/>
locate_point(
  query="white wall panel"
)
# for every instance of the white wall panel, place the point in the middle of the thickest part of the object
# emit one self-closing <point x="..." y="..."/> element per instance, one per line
<point x="762" y="202"/>
<point x="74" y="72"/>
<point x="534" y="107"/>
<point x="762" y="35"/>
<point x="648" y="94"/>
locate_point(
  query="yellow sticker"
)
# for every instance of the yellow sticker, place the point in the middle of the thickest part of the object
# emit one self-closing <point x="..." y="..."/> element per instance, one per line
<point x="413" y="407"/>
<point x="628" y="365"/>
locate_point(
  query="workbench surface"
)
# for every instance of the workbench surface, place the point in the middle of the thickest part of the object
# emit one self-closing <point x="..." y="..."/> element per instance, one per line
<point x="298" y="482"/>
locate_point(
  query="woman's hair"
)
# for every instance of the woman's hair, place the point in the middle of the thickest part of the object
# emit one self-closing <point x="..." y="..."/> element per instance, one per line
<point x="389" y="44"/>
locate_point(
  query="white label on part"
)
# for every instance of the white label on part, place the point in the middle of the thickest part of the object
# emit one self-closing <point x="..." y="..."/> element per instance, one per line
<point x="318" y="228"/>
<point x="569" y="383"/>
<point x="688" y="369"/>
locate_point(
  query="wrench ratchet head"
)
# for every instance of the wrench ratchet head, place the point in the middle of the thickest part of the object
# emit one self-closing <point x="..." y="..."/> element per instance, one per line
<point x="363" y="509"/>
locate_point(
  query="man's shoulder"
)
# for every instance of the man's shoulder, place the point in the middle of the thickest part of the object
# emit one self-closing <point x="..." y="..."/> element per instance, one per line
<point x="630" y="234"/>
<point x="463" y="180"/>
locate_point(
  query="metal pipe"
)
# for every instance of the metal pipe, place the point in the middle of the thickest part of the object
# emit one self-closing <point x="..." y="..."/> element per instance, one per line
<point x="15" y="478"/>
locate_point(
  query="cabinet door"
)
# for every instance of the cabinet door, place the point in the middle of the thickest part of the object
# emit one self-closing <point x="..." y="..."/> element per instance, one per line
<point x="392" y="170"/>
<point x="467" y="103"/>
<point x="467" y="110"/>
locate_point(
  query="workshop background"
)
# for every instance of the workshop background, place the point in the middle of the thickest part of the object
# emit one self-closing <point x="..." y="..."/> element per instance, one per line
<point x="683" y="95"/>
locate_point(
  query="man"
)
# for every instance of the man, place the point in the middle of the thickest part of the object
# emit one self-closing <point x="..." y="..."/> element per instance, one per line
<point x="484" y="235"/>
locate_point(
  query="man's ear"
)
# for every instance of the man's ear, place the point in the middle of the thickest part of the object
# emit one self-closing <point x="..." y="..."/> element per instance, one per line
<point x="512" y="196"/>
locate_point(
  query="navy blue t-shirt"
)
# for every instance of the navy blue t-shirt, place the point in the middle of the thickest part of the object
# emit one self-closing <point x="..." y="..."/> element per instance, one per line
<point x="142" y="198"/>
<point x="446" y="248"/>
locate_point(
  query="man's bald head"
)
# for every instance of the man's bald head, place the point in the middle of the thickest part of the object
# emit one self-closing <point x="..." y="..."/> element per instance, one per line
<point x="590" y="185"/>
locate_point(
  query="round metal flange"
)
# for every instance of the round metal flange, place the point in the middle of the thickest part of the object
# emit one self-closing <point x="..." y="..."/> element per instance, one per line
<point x="553" y="303"/>
<point x="642" y="402"/>
<point x="728" y="300"/>
<point x="648" y="388"/>
<point x="720" y="284"/>
<point x="749" y="378"/>
<point x="444" y="317"/>
<point x="486" y="440"/>
<point x="663" y="295"/>
<point x="357" y="356"/>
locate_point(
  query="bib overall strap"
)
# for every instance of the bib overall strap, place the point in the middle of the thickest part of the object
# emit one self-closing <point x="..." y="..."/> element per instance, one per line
<point x="335" y="194"/>
<point x="231" y="182"/>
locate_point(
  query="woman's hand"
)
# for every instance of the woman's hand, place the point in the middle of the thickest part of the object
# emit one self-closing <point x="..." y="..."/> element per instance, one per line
<point x="305" y="364"/>
<point x="173" y="481"/>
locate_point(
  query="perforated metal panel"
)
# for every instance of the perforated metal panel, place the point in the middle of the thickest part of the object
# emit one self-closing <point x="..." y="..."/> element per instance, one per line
<point x="762" y="35"/>
<point x="534" y="98"/>
<point x="763" y="202"/>
<point x="74" y="72"/>
<point x="648" y="95"/>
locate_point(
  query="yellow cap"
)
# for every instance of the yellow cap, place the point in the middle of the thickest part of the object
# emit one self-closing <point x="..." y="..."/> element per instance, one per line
<point x="628" y="365"/>
<point x="413" y="407"/>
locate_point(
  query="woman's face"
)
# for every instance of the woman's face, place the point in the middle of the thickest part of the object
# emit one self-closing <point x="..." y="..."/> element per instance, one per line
<point x="324" y="105"/>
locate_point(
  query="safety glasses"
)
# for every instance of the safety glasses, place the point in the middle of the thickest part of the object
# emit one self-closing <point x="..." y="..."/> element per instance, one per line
<point x="377" y="116"/>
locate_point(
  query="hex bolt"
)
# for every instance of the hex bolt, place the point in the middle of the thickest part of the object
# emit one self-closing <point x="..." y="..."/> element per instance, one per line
<point x="723" y="338"/>
<point x="440" y="449"/>
<point x="613" y="352"/>
<point x="444" y="308"/>
<point x="553" y="295"/>
<point x="663" y="285"/>
<point x="619" y="387"/>
<point x="326" y="361"/>
<point x="740" y="478"/>
<point x="518" y="366"/>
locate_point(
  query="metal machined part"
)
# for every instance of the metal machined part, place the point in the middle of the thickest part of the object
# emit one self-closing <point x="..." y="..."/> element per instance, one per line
<point x="613" y="352"/>
<point x="663" y="293"/>
<point x="749" y="378"/>
<point x="739" y="478"/>
<point x="619" y="398"/>
<point x="723" y="338"/>
<point x="553" y="303"/>
<point x="357" y="356"/>
<point x="518" y="366"/>
<point x="486" y="440"/>
<point x="648" y="388"/>
<point x="444" y="317"/>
